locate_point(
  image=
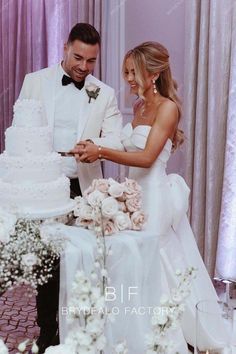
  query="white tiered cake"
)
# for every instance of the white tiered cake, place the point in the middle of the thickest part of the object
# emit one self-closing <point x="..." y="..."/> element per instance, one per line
<point x="31" y="180"/>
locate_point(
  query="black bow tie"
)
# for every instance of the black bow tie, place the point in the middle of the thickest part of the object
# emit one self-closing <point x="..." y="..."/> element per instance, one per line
<point x="66" y="80"/>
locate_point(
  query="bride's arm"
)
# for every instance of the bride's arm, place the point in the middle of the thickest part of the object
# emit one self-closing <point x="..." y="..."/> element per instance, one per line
<point x="162" y="129"/>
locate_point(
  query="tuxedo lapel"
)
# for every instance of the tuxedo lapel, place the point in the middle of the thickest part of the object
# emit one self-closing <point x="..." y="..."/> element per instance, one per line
<point x="86" y="109"/>
<point x="49" y="92"/>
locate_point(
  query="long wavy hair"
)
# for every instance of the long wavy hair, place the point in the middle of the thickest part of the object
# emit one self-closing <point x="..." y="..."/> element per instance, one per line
<point x="153" y="57"/>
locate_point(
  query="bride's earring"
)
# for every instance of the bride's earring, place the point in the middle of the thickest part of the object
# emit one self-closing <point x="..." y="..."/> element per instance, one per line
<point x="154" y="86"/>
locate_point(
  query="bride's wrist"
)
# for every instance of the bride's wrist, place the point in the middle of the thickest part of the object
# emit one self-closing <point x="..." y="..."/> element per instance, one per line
<point x="99" y="152"/>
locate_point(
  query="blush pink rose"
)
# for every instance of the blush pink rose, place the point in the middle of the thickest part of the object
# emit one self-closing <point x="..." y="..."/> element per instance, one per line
<point x="109" y="227"/>
<point x="138" y="219"/>
<point x="133" y="204"/>
<point x="131" y="188"/>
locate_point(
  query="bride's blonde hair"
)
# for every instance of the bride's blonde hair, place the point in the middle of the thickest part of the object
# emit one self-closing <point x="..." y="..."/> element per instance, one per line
<point x="153" y="57"/>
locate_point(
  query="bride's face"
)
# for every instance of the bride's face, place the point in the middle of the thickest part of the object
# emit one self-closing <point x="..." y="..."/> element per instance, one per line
<point x="130" y="77"/>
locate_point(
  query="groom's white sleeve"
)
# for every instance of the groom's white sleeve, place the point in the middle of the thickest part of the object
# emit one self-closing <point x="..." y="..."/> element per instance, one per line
<point x="111" y="125"/>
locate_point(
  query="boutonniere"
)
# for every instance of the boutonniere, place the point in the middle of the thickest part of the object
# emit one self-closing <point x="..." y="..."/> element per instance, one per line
<point x="92" y="91"/>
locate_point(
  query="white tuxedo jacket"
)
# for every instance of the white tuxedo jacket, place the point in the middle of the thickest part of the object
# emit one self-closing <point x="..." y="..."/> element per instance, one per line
<point x="99" y="120"/>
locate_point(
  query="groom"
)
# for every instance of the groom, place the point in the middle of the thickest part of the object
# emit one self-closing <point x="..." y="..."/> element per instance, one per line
<point x="77" y="107"/>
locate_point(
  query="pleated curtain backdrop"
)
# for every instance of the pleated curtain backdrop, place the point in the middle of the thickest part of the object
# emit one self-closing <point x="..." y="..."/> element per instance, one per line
<point x="208" y="44"/>
<point x="32" y="35"/>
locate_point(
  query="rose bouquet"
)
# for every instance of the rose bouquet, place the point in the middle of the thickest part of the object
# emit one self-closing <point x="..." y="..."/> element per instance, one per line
<point x="110" y="205"/>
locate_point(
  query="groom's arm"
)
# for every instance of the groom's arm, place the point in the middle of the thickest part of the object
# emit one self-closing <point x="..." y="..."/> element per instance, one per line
<point x="111" y="125"/>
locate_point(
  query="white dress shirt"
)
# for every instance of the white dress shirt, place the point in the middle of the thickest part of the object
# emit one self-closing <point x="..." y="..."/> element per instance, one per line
<point x="66" y="122"/>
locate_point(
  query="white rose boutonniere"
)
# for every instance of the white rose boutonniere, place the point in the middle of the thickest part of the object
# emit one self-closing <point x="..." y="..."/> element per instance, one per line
<point x="92" y="91"/>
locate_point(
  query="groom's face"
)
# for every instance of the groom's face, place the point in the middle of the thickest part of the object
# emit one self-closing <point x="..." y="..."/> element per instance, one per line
<point x="79" y="59"/>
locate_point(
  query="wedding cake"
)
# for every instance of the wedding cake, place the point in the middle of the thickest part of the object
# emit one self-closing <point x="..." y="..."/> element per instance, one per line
<point x="31" y="180"/>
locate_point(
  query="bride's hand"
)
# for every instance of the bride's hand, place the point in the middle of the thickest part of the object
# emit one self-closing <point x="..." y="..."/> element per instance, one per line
<point x="89" y="152"/>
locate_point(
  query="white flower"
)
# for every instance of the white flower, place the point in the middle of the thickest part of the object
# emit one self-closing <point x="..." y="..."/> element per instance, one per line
<point x="29" y="259"/>
<point x="121" y="348"/>
<point x="86" y="212"/>
<point x="110" y="207"/>
<point x="34" y="348"/>
<point x="102" y="185"/>
<point x="116" y="190"/>
<point x="91" y="87"/>
<point x="138" y="220"/>
<point x="84" y="339"/>
<point x="164" y="299"/>
<point x="3" y="348"/>
<point x="7" y="223"/>
<point x="95" y="198"/>
<point x="101" y="342"/>
<point x="122" y="221"/>
<point x="60" y="349"/>
<point x="94" y="325"/>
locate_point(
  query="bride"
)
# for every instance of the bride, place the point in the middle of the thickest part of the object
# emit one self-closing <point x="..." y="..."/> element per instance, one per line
<point x="146" y="259"/>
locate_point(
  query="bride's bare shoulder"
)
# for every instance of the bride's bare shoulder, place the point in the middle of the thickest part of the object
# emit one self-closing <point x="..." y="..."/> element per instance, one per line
<point x="167" y="113"/>
<point x="167" y="106"/>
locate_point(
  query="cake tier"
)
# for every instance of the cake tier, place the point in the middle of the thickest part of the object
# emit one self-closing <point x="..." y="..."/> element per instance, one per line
<point x="22" y="141"/>
<point x="35" y="198"/>
<point x="28" y="113"/>
<point x="38" y="169"/>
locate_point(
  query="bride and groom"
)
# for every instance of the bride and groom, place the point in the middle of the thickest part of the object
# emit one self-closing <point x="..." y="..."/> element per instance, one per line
<point x="90" y="127"/>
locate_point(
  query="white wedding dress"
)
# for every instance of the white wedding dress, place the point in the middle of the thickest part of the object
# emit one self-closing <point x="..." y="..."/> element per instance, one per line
<point x="146" y="260"/>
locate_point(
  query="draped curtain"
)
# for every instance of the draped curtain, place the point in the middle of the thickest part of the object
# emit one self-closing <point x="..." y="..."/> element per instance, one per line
<point x="226" y="251"/>
<point x="32" y="35"/>
<point x="208" y="72"/>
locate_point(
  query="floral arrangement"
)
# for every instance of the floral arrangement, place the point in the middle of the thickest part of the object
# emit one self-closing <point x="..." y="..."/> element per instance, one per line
<point x="172" y="309"/>
<point x="22" y="347"/>
<point x="116" y="205"/>
<point x="28" y="250"/>
<point x="92" y="91"/>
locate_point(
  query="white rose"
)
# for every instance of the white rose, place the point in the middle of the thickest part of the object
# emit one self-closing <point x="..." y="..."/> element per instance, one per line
<point x="116" y="190"/>
<point x="110" y="207"/>
<point x="122" y="221"/>
<point x="86" y="212"/>
<point x="138" y="219"/>
<point x="29" y="259"/>
<point x="3" y="348"/>
<point x="95" y="198"/>
<point x="101" y="185"/>
<point x="133" y="204"/>
<point x="91" y="87"/>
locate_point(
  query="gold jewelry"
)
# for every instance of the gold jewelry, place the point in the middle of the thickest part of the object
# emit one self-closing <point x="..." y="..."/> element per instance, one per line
<point x="99" y="152"/>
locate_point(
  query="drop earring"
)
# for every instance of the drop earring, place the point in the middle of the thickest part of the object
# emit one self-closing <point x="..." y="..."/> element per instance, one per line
<point x="154" y="86"/>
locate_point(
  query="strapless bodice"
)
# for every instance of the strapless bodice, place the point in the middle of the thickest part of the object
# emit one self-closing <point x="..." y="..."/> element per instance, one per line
<point x="135" y="139"/>
<point x="166" y="194"/>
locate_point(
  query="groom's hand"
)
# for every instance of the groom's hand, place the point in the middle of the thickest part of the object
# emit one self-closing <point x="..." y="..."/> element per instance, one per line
<point x="77" y="151"/>
<point x="88" y="151"/>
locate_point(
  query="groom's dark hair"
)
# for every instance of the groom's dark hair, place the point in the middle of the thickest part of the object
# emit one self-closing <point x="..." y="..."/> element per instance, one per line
<point x="84" y="32"/>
